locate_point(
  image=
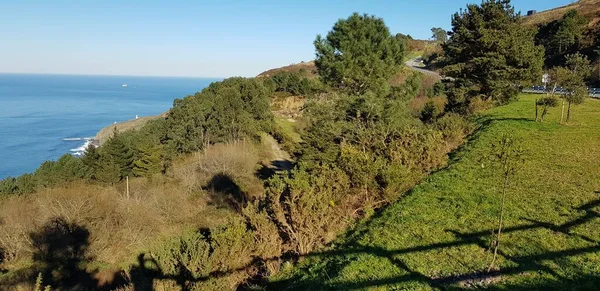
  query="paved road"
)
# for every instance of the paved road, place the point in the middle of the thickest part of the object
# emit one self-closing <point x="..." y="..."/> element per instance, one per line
<point x="594" y="92"/>
<point x="417" y="65"/>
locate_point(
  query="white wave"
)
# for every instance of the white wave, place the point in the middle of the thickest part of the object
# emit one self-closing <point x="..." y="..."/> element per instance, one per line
<point x="79" y="151"/>
<point x="76" y="138"/>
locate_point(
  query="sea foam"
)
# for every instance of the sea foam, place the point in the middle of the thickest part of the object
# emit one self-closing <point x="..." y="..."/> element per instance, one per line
<point x="79" y="151"/>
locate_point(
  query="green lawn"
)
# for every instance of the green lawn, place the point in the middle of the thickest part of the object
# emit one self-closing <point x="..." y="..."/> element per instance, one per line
<point x="437" y="236"/>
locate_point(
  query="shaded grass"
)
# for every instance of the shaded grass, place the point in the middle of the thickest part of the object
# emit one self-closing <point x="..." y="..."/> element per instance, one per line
<point x="289" y="129"/>
<point x="438" y="236"/>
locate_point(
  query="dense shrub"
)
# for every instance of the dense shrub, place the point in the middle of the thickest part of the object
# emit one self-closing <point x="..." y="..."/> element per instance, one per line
<point x="193" y="257"/>
<point x="454" y="128"/>
<point x="293" y="83"/>
<point x="224" y="111"/>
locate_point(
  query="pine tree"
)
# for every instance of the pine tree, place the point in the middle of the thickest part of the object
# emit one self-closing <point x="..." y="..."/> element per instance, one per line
<point x="569" y="32"/>
<point x="91" y="160"/>
<point x="358" y="55"/>
<point x="490" y="54"/>
<point x="120" y="154"/>
<point x="149" y="162"/>
<point x="108" y="171"/>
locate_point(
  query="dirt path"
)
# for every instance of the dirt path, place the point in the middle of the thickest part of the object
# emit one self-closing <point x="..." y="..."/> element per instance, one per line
<point x="280" y="160"/>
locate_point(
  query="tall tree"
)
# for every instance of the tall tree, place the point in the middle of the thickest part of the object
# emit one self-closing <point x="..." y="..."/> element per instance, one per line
<point x="150" y="161"/>
<point x="358" y="55"/>
<point x="579" y="64"/>
<point x="439" y="34"/>
<point x="490" y="54"/>
<point x="569" y="31"/>
<point x="119" y="154"/>
<point x="91" y="160"/>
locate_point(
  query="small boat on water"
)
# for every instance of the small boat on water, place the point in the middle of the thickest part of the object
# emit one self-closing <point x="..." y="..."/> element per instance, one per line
<point x="124" y="85"/>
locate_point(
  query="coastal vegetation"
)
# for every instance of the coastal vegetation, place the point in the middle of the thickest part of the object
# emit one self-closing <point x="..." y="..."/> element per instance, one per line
<point x="205" y="198"/>
<point x="440" y="235"/>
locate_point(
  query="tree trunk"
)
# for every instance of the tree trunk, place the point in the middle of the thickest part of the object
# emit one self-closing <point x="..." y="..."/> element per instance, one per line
<point x="569" y="112"/>
<point x="562" y="111"/>
<point x="536" y="110"/>
<point x="500" y="222"/>
<point x="544" y="113"/>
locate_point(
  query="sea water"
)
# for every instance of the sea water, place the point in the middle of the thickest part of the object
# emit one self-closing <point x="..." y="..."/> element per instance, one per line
<point x="43" y="117"/>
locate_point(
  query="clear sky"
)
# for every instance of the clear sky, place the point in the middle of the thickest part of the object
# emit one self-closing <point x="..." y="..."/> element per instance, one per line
<point x="194" y="38"/>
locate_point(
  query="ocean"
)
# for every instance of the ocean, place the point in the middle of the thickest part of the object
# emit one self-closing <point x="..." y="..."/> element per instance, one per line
<point x="43" y="117"/>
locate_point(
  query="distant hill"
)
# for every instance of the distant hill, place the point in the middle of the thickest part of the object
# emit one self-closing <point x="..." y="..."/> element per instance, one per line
<point x="307" y="69"/>
<point x="104" y="134"/>
<point x="587" y="8"/>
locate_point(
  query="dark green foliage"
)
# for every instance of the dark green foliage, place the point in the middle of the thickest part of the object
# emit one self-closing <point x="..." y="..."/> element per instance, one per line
<point x="562" y="36"/>
<point x="410" y="88"/>
<point x="116" y="151"/>
<point x="91" y="159"/>
<point x="108" y="170"/>
<point x="359" y="54"/>
<point x="149" y="162"/>
<point x="429" y="112"/>
<point x="293" y="83"/>
<point x="485" y="62"/>
<point x="569" y="31"/>
<point x="403" y="40"/>
<point x="225" y="111"/>
<point x="51" y="173"/>
<point x="194" y="256"/>
<point x="547" y="101"/>
<point x="9" y="186"/>
<point x="66" y="168"/>
<point x="579" y="65"/>
<point x="366" y="135"/>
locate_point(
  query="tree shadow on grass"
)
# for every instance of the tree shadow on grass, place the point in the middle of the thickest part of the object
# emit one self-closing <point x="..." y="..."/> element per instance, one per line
<point x="319" y="279"/>
<point x="61" y="249"/>
<point x="331" y="262"/>
<point x="278" y="166"/>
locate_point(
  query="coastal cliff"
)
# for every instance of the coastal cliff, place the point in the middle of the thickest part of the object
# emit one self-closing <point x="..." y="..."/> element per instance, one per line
<point x="105" y="133"/>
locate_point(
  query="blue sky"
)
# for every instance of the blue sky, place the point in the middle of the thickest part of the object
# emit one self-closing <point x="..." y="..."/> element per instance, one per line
<point x="193" y="38"/>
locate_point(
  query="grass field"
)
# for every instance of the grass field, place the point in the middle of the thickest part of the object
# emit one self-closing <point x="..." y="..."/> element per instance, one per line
<point x="437" y="237"/>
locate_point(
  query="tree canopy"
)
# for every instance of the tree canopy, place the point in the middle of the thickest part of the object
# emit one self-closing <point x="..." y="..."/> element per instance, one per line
<point x="439" y="34"/>
<point x="358" y="55"/>
<point x="490" y="53"/>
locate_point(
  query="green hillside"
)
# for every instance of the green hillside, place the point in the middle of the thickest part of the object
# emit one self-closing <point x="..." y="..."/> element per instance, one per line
<point x="438" y="236"/>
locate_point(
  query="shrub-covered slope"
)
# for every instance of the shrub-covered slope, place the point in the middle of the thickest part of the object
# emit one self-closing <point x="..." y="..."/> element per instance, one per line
<point x="439" y="235"/>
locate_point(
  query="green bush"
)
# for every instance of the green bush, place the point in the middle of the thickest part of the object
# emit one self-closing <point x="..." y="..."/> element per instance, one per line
<point x="454" y="128"/>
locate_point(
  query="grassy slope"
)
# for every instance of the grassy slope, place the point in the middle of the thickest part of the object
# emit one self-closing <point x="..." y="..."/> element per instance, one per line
<point x="588" y="8"/>
<point x="437" y="236"/>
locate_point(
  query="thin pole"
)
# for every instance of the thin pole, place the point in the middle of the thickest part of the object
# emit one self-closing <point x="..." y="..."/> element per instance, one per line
<point x="562" y="111"/>
<point x="536" y="110"/>
<point x="127" y="179"/>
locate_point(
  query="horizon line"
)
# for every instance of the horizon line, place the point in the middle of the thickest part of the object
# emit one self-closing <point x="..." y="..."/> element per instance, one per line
<point x="116" y="75"/>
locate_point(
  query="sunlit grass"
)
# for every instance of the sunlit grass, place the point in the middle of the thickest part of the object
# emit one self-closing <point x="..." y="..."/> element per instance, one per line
<point x="438" y="235"/>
